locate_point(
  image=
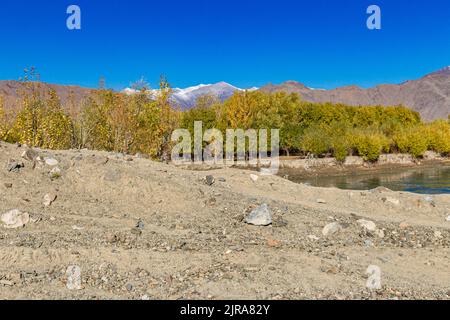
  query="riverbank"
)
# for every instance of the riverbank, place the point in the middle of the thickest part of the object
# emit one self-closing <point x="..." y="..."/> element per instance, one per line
<point x="356" y="165"/>
<point x="138" y="229"/>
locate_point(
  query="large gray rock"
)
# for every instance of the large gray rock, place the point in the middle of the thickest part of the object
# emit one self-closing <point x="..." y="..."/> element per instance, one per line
<point x="260" y="216"/>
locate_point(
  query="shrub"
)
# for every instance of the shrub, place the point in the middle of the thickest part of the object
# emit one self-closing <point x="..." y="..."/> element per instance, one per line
<point x="370" y="145"/>
<point x="413" y="141"/>
<point x="315" y="141"/>
<point x="438" y="134"/>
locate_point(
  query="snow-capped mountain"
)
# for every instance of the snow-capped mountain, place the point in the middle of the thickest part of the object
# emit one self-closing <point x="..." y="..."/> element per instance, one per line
<point x="187" y="98"/>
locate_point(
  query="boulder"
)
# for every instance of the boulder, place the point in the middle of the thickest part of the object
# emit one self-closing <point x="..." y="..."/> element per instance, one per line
<point x="260" y="216"/>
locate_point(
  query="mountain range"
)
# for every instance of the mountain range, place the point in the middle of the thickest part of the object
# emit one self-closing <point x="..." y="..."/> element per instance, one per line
<point x="429" y="95"/>
<point x="187" y="98"/>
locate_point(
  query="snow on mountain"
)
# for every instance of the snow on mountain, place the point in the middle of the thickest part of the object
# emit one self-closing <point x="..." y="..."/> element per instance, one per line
<point x="187" y="98"/>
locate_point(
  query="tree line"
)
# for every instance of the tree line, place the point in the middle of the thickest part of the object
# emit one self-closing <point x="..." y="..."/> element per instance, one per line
<point x="143" y="123"/>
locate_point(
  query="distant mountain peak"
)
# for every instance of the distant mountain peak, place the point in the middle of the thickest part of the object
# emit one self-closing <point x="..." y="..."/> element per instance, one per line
<point x="445" y="70"/>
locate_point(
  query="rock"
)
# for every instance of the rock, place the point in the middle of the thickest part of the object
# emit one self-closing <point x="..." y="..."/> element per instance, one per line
<point x="222" y="179"/>
<point x="379" y="233"/>
<point x="145" y="297"/>
<point x="380" y="190"/>
<point x="331" y="229"/>
<point x="374" y="280"/>
<point x="368" y="225"/>
<point x="254" y="177"/>
<point x="15" y="219"/>
<point x="313" y="237"/>
<point x="448" y="218"/>
<point x="8" y="185"/>
<point x="73" y="274"/>
<point x="51" y="162"/>
<point x="260" y="216"/>
<point x="209" y="180"/>
<point x="430" y="200"/>
<point x="321" y="201"/>
<point x="391" y="200"/>
<point x="49" y="198"/>
<point x="30" y="155"/>
<point x="273" y="243"/>
<point x="14" y="166"/>
<point x="140" y="225"/>
<point x="129" y="287"/>
<point x="368" y="243"/>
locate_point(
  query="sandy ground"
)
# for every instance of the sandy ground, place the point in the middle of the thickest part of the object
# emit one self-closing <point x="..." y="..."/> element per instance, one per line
<point x="140" y="229"/>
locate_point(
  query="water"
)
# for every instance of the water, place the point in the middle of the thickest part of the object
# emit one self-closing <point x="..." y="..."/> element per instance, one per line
<point x="424" y="180"/>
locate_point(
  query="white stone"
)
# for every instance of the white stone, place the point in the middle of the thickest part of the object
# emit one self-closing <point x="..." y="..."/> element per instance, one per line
<point x="51" y="162"/>
<point x="73" y="274"/>
<point x="49" y="198"/>
<point x="367" y="224"/>
<point x="254" y="177"/>
<point x="15" y="219"/>
<point x="331" y="229"/>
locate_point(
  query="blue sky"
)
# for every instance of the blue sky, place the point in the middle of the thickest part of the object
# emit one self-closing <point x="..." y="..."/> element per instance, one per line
<point x="322" y="43"/>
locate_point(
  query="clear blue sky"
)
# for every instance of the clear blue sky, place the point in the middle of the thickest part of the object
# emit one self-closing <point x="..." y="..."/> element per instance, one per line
<point x="322" y="43"/>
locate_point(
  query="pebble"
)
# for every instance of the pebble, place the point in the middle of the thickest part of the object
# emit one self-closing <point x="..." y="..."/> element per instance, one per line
<point x="209" y="180"/>
<point x="51" y="162"/>
<point x="379" y="233"/>
<point x="129" y="287"/>
<point x="313" y="237"/>
<point x="331" y="229"/>
<point x="367" y="224"/>
<point x="448" y="218"/>
<point x="321" y="201"/>
<point x="368" y="243"/>
<point x="254" y="177"/>
<point x="15" y="219"/>
<point x="140" y="225"/>
<point x="260" y="216"/>
<point x="73" y="274"/>
<point x="49" y="198"/>
<point x="14" y="166"/>
<point x="394" y="201"/>
<point x="8" y="185"/>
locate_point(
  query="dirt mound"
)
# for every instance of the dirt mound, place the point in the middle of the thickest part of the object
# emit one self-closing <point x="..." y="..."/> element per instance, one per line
<point x="101" y="225"/>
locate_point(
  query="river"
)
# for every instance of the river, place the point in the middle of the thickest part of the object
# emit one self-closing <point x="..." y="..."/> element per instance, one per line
<point x="423" y="180"/>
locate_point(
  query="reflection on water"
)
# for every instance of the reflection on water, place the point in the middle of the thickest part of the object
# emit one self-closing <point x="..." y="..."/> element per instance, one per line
<point x="429" y="180"/>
